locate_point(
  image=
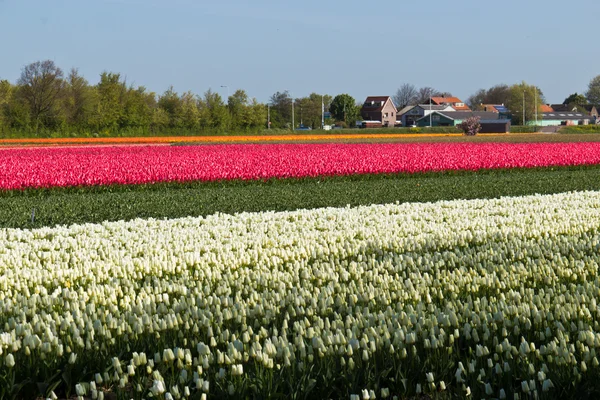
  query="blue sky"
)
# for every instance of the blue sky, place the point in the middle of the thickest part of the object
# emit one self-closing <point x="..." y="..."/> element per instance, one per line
<point x="356" y="47"/>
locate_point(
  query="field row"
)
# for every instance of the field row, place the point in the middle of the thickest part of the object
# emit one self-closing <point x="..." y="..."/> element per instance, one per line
<point x="480" y="297"/>
<point x="84" y="166"/>
<point x="65" y="206"/>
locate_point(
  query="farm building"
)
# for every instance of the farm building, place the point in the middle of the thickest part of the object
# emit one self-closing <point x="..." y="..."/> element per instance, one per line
<point x="490" y="121"/>
<point x="562" y="118"/>
<point x="409" y="115"/>
<point x="454" y="102"/>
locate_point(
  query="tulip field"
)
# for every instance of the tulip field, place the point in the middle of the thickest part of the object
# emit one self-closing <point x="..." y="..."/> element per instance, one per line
<point x="104" y="165"/>
<point x="491" y="297"/>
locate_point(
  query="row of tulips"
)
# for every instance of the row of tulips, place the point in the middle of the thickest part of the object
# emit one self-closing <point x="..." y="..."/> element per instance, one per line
<point x="490" y="298"/>
<point x="73" y="166"/>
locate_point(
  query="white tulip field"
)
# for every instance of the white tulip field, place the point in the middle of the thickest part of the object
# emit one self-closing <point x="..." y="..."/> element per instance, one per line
<point x="481" y="298"/>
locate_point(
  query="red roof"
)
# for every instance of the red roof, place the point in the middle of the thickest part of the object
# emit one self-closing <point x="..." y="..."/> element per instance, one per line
<point x="546" y="108"/>
<point x="452" y="101"/>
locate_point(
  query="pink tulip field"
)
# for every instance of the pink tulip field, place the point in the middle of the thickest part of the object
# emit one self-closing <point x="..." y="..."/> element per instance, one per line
<point x="22" y="168"/>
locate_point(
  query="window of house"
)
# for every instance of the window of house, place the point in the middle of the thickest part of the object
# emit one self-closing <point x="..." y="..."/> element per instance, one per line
<point x="460" y="104"/>
<point x="386" y="114"/>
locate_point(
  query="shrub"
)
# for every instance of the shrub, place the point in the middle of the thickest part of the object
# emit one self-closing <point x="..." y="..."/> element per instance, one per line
<point x="470" y="126"/>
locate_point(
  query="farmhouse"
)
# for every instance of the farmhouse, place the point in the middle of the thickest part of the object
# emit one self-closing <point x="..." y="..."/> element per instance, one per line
<point x="410" y="114"/>
<point x="592" y="110"/>
<point x="379" y="108"/>
<point x="455" y="102"/>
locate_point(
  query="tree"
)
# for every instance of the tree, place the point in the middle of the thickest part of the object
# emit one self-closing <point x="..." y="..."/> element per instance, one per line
<point x="470" y="126"/>
<point x="257" y="115"/>
<point x="406" y="95"/>
<point x="309" y="109"/>
<point x="475" y="100"/>
<point x="237" y="104"/>
<point x="138" y="108"/>
<point x="281" y="109"/>
<point x="426" y="93"/>
<point x="343" y="108"/>
<point x="111" y="95"/>
<point x="530" y="94"/>
<point x="576" y="99"/>
<point x="593" y="92"/>
<point x="170" y="103"/>
<point x="189" y="112"/>
<point x="5" y="98"/>
<point x="498" y="94"/>
<point x="213" y="111"/>
<point x="80" y="102"/>
<point x="42" y="84"/>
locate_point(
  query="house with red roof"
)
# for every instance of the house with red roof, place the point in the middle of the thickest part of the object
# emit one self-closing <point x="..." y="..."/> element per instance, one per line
<point x="454" y="102"/>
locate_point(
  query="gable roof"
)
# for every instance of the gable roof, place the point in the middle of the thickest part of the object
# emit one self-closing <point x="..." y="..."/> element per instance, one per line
<point x="378" y="103"/>
<point x="435" y="107"/>
<point x="404" y="110"/>
<point x="561" y="108"/>
<point x="546" y="108"/>
<point x="490" y="107"/>
<point x="499" y="108"/>
<point x="590" y="107"/>
<point x="376" y="98"/>
<point x="440" y="100"/>
<point x="451" y="100"/>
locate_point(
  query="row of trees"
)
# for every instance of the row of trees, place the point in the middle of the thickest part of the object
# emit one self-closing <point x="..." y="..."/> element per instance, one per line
<point x="44" y="100"/>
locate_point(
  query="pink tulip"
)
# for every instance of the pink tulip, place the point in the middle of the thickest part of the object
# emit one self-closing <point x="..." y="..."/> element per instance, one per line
<point x="89" y="165"/>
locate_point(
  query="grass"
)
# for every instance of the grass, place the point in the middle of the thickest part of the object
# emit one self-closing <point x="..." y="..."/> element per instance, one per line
<point x="60" y="206"/>
<point x="580" y="129"/>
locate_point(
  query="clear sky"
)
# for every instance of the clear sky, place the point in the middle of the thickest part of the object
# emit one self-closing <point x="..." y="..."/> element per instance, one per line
<point x="328" y="46"/>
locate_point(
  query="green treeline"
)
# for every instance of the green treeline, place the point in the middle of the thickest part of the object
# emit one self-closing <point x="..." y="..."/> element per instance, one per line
<point x="46" y="102"/>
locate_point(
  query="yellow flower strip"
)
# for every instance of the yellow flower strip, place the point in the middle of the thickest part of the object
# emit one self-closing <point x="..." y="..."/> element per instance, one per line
<point x="217" y="139"/>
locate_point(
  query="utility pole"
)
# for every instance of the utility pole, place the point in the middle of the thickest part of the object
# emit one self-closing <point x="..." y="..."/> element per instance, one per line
<point x="536" y="119"/>
<point x="292" y="114"/>
<point x="268" y="115"/>
<point x="524" y="108"/>
<point x="322" y="113"/>
<point x="430" y="101"/>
